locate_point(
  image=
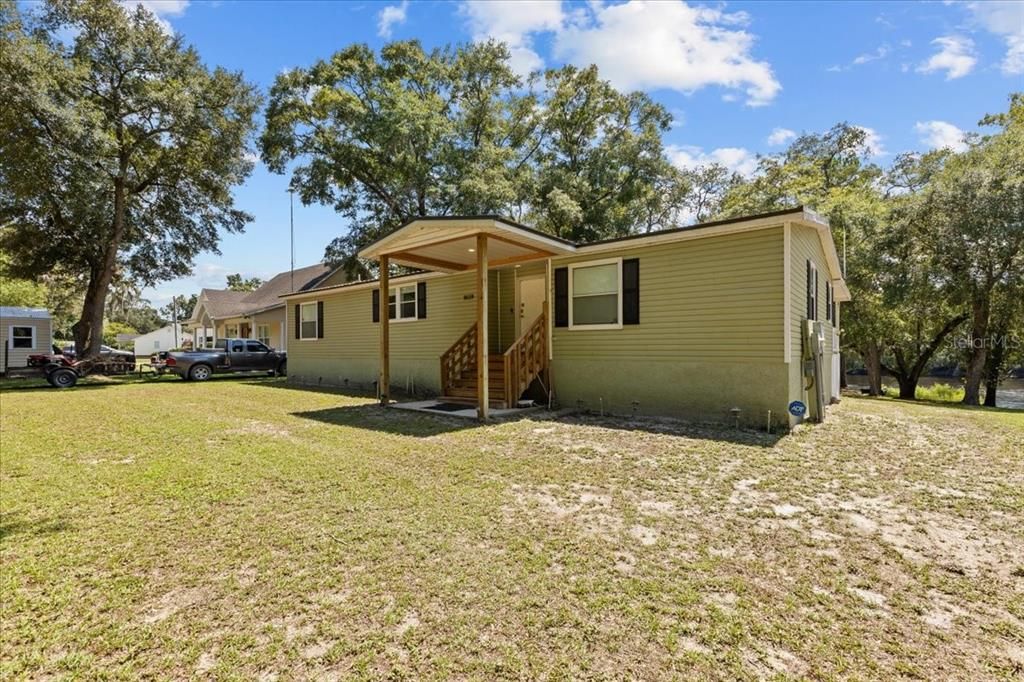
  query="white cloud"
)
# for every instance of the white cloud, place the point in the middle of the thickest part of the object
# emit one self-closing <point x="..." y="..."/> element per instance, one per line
<point x="873" y="142"/>
<point x="941" y="135"/>
<point x="1005" y="19"/>
<point x="781" y="136"/>
<point x="636" y="44"/>
<point x="880" y="53"/>
<point x="514" y="23"/>
<point x="160" y="9"/>
<point x="390" y="16"/>
<point x="640" y="45"/>
<point x="956" y="57"/>
<point x="737" y="159"/>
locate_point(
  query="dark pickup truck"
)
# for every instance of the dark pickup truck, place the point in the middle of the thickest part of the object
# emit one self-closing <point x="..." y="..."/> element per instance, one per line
<point x="227" y="355"/>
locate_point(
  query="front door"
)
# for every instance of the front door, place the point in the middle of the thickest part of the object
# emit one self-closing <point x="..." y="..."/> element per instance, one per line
<point x="530" y="302"/>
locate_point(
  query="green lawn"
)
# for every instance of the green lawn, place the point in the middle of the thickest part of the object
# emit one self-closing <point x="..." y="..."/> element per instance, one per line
<point x="244" y="529"/>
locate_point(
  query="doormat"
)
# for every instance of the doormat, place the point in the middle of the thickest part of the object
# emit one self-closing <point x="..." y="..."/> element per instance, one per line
<point x="448" y="407"/>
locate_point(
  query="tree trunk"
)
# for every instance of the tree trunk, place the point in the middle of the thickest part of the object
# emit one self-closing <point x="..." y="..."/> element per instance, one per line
<point x="89" y="329"/>
<point x="842" y="371"/>
<point x="873" y="364"/>
<point x="994" y="363"/>
<point x="991" y="386"/>
<point x="908" y="386"/>
<point x="978" y="351"/>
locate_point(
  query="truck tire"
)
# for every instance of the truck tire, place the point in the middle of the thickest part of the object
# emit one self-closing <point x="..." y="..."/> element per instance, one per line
<point x="282" y="369"/>
<point x="62" y="378"/>
<point x="200" y="372"/>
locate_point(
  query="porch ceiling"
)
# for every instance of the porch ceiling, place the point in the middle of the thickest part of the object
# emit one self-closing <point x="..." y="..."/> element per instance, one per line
<point x="449" y="245"/>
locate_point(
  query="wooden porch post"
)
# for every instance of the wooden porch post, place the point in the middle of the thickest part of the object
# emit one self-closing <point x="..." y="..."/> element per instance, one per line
<point x="384" y="383"/>
<point x="482" y="373"/>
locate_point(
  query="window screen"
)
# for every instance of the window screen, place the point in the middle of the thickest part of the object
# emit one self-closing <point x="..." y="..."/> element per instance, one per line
<point x="595" y="294"/>
<point x="308" y="321"/>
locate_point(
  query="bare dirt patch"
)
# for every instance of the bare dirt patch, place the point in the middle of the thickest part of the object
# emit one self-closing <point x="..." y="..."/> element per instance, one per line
<point x="172" y="602"/>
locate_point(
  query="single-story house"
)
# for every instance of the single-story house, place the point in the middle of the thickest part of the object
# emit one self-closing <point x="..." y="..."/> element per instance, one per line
<point x="23" y="332"/>
<point x="257" y="314"/>
<point x="703" y="322"/>
<point x="165" y="338"/>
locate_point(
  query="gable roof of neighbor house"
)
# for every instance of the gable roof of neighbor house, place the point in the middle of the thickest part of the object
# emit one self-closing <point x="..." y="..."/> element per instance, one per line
<point x="31" y="313"/>
<point x="561" y="247"/>
<point x="224" y="303"/>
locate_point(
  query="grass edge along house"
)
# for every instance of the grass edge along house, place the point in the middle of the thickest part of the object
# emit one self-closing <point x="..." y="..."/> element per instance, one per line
<point x="695" y="322"/>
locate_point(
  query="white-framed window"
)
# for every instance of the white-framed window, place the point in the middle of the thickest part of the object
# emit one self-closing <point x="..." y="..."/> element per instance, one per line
<point x="156" y="344"/>
<point x="402" y="302"/>
<point x="263" y="334"/>
<point x="308" y="321"/>
<point x="23" y="336"/>
<point x="231" y="331"/>
<point x="595" y="294"/>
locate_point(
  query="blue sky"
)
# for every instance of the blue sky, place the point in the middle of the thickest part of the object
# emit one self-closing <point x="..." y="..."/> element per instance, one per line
<point x="740" y="78"/>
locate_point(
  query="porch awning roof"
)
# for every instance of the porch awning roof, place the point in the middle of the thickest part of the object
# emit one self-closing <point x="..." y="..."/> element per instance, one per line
<point x="448" y="244"/>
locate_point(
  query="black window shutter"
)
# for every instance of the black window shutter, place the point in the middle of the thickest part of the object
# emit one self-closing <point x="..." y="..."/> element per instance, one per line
<point x="298" y="321"/>
<point x="814" y="296"/>
<point x="561" y="297"/>
<point x="631" y="291"/>
<point x="828" y="301"/>
<point x="376" y="305"/>
<point x="421" y="300"/>
<point x="319" y="319"/>
<point x="807" y="304"/>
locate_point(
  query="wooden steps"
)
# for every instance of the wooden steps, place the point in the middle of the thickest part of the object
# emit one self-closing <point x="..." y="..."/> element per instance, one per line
<point x="508" y="374"/>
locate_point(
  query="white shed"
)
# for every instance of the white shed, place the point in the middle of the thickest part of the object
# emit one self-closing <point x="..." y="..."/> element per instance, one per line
<point x="23" y="332"/>
<point x="160" y="340"/>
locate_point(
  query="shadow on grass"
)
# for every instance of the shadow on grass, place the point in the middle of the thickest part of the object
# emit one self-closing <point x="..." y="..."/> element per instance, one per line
<point x="388" y="420"/>
<point x="103" y="381"/>
<point x="283" y="384"/>
<point x="14" y="526"/>
<point x="676" y="427"/>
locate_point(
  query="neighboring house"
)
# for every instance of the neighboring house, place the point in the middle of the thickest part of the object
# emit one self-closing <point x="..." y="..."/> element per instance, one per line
<point x="161" y="339"/>
<point x="23" y="332"/>
<point x="125" y="339"/>
<point x="258" y="314"/>
<point x="693" y="322"/>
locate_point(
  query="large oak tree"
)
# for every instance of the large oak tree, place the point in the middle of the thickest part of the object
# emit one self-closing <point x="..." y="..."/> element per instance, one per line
<point x="407" y="133"/>
<point x="119" y="149"/>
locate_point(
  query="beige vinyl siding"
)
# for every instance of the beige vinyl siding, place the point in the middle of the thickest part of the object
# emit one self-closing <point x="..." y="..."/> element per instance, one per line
<point x="18" y="357"/>
<point x="710" y="336"/>
<point x="805" y="245"/>
<point x="702" y="299"/>
<point x="348" y="355"/>
<point x="273" y="319"/>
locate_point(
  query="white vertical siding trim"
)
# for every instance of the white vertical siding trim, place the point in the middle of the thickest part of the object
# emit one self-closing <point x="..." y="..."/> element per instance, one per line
<point x="787" y="297"/>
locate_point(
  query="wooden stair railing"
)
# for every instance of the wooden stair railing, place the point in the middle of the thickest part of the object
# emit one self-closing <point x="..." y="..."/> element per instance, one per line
<point x="460" y="357"/>
<point x="526" y="359"/>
